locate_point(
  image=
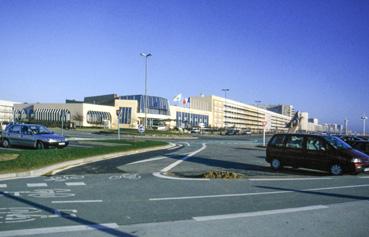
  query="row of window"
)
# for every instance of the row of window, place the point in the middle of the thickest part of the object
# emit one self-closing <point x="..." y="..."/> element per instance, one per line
<point x="97" y="117"/>
<point x="155" y="105"/>
<point x="189" y="119"/>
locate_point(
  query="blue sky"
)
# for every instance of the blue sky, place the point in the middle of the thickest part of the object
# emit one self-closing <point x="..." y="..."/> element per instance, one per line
<point x="312" y="54"/>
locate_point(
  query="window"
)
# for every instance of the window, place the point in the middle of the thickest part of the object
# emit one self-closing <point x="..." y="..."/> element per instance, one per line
<point x="278" y="141"/>
<point x="15" y="129"/>
<point x="315" y="144"/>
<point x="294" y="142"/>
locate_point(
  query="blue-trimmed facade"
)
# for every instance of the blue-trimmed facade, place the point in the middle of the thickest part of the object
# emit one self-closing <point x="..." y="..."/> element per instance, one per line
<point x="155" y="104"/>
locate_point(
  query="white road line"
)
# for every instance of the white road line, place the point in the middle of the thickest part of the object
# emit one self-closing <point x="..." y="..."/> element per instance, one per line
<point x="75" y="183"/>
<point x="160" y="175"/>
<point x="218" y="196"/>
<point x="171" y="166"/>
<point x="3" y="186"/>
<point x="147" y="160"/>
<point x="258" y="213"/>
<point x="337" y="187"/>
<point x="173" y="148"/>
<point x="287" y="179"/>
<point x="255" y="194"/>
<point x="60" y="229"/>
<point x="187" y="143"/>
<point x="364" y="177"/>
<point x="77" y="201"/>
<point x="36" y="185"/>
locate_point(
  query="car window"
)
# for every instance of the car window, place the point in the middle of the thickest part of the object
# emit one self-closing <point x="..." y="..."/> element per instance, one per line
<point x="294" y="142"/>
<point x="337" y="143"/>
<point x="315" y="144"/>
<point x="277" y="141"/>
<point x="15" y="129"/>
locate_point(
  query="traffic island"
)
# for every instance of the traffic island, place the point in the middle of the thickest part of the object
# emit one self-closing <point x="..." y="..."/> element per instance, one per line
<point x="30" y="163"/>
<point x="212" y="174"/>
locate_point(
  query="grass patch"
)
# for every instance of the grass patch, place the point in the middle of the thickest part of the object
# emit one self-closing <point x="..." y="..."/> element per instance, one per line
<point x="33" y="159"/>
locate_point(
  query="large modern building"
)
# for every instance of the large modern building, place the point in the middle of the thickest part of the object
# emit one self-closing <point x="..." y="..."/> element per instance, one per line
<point x="128" y="111"/>
<point x="6" y="111"/>
<point x="229" y="113"/>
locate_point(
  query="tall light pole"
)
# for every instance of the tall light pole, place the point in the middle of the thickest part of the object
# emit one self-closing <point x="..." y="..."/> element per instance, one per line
<point x="225" y="90"/>
<point x="257" y="113"/>
<point x="364" y="118"/>
<point x="146" y="55"/>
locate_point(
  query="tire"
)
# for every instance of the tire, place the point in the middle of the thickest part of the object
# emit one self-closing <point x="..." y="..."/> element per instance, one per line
<point x="6" y="143"/>
<point x="40" y="145"/>
<point x="336" y="169"/>
<point x="276" y="164"/>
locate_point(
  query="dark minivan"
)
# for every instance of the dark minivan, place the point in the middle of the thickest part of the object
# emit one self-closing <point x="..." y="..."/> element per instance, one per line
<point x="321" y="152"/>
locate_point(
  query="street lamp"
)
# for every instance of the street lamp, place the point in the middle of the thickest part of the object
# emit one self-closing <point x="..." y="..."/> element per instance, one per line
<point x="146" y="55"/>
<point x="257" y="113"/>
<point x="364" y="118"/>
<point x="225" y="101"/>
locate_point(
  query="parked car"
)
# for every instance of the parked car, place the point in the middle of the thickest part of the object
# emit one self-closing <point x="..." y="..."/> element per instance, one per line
<point x="359" y="143"/>
<point x="321" y="152"/>
<point x="32" y="135"/>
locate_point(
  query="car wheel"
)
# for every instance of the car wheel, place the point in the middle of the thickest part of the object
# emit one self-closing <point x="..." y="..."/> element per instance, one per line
<point x="276" y="164"/>
<point x="40" y="145"/>
<point x="336" y="169"/>
<point x="6" y="143"/>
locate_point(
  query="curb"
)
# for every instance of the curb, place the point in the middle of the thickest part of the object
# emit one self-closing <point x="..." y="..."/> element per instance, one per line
<point x="74" y="163"/>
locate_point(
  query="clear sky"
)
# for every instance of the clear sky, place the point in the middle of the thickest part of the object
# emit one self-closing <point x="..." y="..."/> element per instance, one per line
<point x="312" y="54"/>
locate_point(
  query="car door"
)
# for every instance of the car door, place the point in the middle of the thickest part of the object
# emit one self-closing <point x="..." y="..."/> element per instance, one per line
<point x="294" y="151"/>
<point x="14" y="134"/>
<point x="26" y="137"/>
<point x="318" y="154"/>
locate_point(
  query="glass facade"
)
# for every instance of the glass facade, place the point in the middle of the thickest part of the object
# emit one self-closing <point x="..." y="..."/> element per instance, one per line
<point x="184" y="119"/>
<point x="155" y="105"/>
<point x="125" y="115"/>
<point x="52" y="115"/>
<point x="97" y="117"/>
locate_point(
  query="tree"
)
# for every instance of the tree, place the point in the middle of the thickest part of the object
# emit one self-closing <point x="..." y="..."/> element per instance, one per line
<point x="78" y="118"/>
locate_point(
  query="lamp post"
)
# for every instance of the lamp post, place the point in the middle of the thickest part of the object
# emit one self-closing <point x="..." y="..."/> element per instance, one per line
<point x="364" y="118"/>
<point x="257" y="113"/>
<point x="146" y="55"/>
<point x="225" y="90"/>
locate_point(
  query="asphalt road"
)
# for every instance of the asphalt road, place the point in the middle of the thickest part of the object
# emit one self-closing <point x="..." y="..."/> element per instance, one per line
<point x="160" y="194"/>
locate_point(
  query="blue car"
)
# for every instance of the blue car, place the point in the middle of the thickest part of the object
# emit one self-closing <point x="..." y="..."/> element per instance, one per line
<point x="32" y="135"/>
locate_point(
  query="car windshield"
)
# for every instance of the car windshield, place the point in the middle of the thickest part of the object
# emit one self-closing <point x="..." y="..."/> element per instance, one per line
<point x="40" y="130"/>
<point x="337" y="143"/>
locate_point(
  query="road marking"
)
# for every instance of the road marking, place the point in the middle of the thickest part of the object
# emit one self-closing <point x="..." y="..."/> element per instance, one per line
<point x="187" y="143"/>
<point x="287" y="179"/>
<point x="77" y="201"/>
<point x="36" y="185"/>
<point x="160" y="175"/>
<point x="60" y="229"/>
<point x="3" y="186"/>
<point x="258" y="213"/>
<point x="147" y="160"/>
<point x="218" y="196"/>
<point x="255" y="194"/>
<point x="365" y="177"/>
<point x="171" y="166"/>
<point x="337" y="187"/>
<point x="75" y="183"/>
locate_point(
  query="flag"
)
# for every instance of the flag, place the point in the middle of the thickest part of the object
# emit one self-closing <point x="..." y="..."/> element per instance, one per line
<point x="177" y="98"/>
<point x="184" y="101"/>
<point x="188" y="100"/>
